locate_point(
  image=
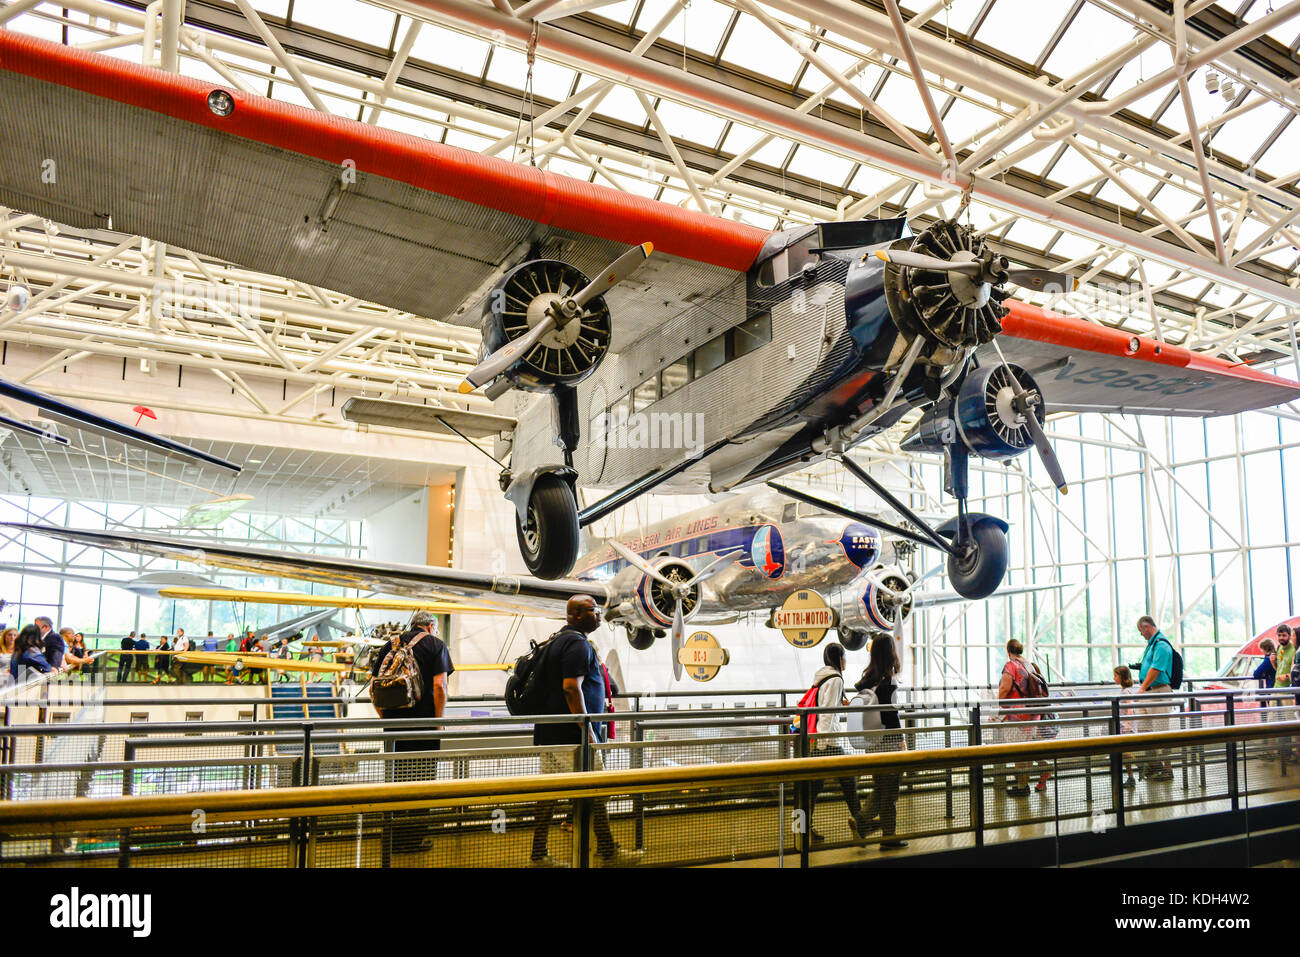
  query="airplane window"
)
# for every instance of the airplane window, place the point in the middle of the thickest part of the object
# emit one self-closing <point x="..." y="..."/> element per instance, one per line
<point x="646" y="394"/>
<point x="620" y="410"/>
<point x="788" y="513"/>
<point x="800" y="257"/>
<point x="675" y="376"/>
<point x="1243" y="666"/>
<point x="751" y="334"/>
<point x="808" y="511"/>
<point x="710" y="355"/>
<point x="775" y="271"/>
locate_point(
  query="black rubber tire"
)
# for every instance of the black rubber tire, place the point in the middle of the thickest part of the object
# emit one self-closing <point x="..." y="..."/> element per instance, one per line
<point x="551" y="507"/>
<point x="641" y="638"/>
<point x="978" y="573"/>
<point x="853" y="639"/>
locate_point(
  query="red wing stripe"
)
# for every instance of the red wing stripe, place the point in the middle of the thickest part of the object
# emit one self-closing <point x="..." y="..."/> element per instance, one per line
<point x="541" y="196"/>
<point x="1027" y="321"/>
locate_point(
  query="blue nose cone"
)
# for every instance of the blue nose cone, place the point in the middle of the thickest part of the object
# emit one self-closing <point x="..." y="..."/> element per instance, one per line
<point x="861" y="544"/>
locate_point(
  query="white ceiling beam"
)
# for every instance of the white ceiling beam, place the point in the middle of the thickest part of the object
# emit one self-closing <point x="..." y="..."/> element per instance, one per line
<point x="922" y="87"/>
<point x="281" y="55"/>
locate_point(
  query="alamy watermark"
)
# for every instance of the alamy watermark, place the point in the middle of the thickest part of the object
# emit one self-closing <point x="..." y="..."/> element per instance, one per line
<point x="682" y="431"/>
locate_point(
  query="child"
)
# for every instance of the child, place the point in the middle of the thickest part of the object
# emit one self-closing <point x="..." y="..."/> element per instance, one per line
<point x="1124" y="678"/>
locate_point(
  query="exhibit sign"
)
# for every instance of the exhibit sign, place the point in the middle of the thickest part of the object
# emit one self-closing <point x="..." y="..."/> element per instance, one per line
<point x="804" y="618"/>
<point x="702" y="656"/>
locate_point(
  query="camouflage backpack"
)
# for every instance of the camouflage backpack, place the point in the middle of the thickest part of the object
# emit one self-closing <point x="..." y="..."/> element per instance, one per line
<point x="398" y="683"/>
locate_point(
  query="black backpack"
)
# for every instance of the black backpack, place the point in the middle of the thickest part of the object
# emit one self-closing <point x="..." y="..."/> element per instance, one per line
<point x="1176" y="667"/>
<point x="525" y="688"/>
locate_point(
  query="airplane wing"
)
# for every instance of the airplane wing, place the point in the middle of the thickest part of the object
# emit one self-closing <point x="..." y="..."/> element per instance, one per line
<point x="928" y="599"/>
<point x="384" y="216"/>
<point x="1093" y="368"/>
<point x="329" y="601"/>
<point x="513" y="595"/>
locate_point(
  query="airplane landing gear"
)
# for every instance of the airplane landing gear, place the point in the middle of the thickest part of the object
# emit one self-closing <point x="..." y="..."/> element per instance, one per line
<point x="548" y="541"/>
<point x="979" y="562"/>
<point x="642" y="638"/>
<point x="853" y="639"/>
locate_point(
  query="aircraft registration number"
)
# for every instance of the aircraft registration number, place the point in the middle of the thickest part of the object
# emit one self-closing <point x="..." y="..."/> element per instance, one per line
<point x="1136" y="381"/>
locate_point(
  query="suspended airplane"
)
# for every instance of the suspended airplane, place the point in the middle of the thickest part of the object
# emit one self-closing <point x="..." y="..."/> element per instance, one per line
<point x="747" y="553"/>
<point x="774" y="349"/>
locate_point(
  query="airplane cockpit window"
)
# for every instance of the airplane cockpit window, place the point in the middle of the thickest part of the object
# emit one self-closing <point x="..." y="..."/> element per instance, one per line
<point x="1243" y="666"/>
<point x="789" y="261"/>
<point x="808" y="511"/>
<point x="788" y="513"/>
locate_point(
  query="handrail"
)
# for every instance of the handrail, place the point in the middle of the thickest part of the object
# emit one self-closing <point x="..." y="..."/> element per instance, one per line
<point x="351" y="799"/>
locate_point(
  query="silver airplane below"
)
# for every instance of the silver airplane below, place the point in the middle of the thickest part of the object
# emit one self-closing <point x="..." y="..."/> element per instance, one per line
<point x="747" y="553"/>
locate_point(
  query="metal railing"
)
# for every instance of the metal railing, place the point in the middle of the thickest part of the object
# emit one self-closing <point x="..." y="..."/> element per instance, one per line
<point x="763" y="811"/>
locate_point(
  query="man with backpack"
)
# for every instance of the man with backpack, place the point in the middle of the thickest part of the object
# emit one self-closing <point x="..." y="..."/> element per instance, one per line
<point x="1157" y="670"/>
<point x="567" y="679"/>
<point x="409" y="680"/>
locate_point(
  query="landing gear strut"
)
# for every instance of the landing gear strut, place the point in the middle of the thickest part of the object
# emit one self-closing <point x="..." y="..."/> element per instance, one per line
<point x="976" y="543"/>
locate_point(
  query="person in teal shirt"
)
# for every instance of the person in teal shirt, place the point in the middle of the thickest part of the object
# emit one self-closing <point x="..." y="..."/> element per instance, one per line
<point x="1155" y="668"/>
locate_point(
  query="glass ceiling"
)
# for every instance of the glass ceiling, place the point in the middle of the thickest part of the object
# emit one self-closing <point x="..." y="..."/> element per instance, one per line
<point x="1133" y="167"/>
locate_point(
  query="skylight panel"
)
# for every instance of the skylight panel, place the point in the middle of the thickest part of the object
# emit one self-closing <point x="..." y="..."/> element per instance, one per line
<point x="1020" y="27"/>
<point x="1072" y="169"/>
<point x="619" y="13"/>
<point x="700" y="26"/>
<point x="550" y="80"/>
<point x="464" y="54"/>
<point x="963" y="120"/>
<point x="1241" y="136"/>
<point x="351" y="18"/>
<point x="652" y="12"/>
<point x="467" y="141"/>
<point x="409" y="124"/>
<point x="1175" y="201"/>
<point x="868" y="180"/>
<point x="958" y="17"/>
<point x="621" y="104"/>
<point x="1284" y="155"/>
<point x="1147" y="64"/>
<point x="865" y="81"/>
<point x="1034" y="163"/>
<point x="35" y="26"/>
<point x="273" y="8"/>
<point x="690" y="124"/>
<point x="1284" y="32"/>
<point x="740" y="138"/>
<point x="1070" y="246"/>
<point x="1282" y="259"/>
<point x="287" y="91"/>
<point x="1091" y="36"/>
<point x="189" y="66"/>
<point x="757" y="49"/>
<point x="1030" y="234"/>
<point x="820" y="165"/>
<point x="901" y="99"/>
<point x="568" y="167"/>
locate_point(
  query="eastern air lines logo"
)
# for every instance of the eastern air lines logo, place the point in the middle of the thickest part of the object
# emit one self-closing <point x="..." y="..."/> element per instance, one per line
<point x="766" y="552"/>
<point x="861" y="544"/>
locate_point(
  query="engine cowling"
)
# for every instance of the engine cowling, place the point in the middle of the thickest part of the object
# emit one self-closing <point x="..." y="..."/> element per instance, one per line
<point x="981" y="416"/>
<point x="654" y="603"/>
<point x="876" y="610"/>
<point x="564" y="356"/>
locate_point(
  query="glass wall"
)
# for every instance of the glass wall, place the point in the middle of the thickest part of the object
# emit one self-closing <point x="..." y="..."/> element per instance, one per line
<point x="1193" y="521"/>
<point x="75" y="595"/>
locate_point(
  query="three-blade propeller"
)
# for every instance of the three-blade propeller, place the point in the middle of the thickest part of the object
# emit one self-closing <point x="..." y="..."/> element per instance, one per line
<point x="558" y="314"/>
<point x="994" y="270"/>
<point x="679" y="590"/>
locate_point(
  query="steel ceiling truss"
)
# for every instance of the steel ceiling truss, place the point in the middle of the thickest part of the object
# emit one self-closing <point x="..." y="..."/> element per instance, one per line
<point x="1224" y="282"/>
